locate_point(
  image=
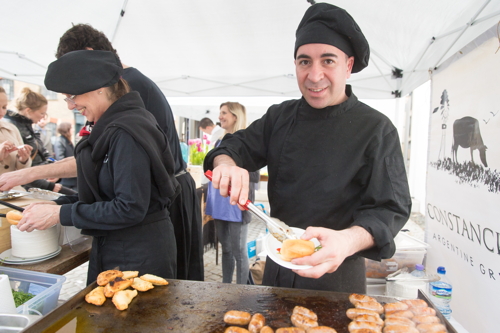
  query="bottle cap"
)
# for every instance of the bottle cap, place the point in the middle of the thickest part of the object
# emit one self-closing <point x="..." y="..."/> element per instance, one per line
<point x="441" y="270"/>
<point x="419" y="267"/>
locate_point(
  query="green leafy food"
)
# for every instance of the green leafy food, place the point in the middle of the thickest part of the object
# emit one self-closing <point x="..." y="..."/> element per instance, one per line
<point x="21" y="297"/>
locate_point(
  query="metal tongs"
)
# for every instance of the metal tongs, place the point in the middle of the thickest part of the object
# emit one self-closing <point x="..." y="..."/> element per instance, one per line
<point x="277" y="228"/>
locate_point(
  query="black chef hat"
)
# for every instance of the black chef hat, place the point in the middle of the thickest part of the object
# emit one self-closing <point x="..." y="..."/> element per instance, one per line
<point x="79" y="72"/>
<point x="324" y="23"/>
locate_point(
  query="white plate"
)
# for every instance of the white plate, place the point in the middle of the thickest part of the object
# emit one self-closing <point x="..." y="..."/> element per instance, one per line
<point x="8" y="258"/>
<point x="271" y="245"/>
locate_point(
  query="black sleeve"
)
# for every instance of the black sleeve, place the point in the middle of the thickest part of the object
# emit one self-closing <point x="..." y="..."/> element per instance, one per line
<point x="130" y="176"/>
<point x="386" y="200"/>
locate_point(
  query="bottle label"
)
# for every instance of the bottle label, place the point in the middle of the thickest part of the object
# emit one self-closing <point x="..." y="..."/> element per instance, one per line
<point x="442" y="293"/>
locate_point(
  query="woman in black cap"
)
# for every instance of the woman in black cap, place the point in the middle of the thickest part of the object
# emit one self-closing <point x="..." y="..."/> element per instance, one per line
<point x="125" y="171"/>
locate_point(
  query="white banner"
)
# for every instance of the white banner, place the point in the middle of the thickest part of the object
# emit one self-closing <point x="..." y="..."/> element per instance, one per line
<point x="463" y="183"/>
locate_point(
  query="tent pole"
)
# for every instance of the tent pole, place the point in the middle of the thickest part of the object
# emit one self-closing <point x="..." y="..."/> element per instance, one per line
<point x="462" y="32"/>
<point x="122" y="13"/>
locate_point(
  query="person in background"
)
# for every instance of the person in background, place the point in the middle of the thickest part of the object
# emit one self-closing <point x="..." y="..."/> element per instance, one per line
<point x="126" y="178"/>
<point x="335" y="164"/>
<point x="215" y="131"/>
<point x="45" y="134"/>
<point x="64" y="148"/>
<point x="32" y="107"/>
<point x="185" y="210"/>
<point x="14" y="155"/>
<point x="231" y="223"/>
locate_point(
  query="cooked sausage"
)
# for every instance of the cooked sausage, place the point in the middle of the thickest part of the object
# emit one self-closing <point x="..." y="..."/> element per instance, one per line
<point x="401" y="313"/>
<point x="256" y="323"/>
<point x="425" y="319"/>
<point x="290" y="330"/>
<point x="266" y="329"/>
<point x="423" y="311"/>
<point x="353" y="325"/>
<point x="399" y="321"/>
<point x="395" y="306"/>
<point x="305" y="311"/>
<point x="415" y="303"/>
<point x="400" y="329"/>
<point x="374" y="306"/>
<point x="303" y="321"/>
<point x="321" y="329"/>
<point x="353" y="313"/>
<point x="353" y="298"/>
<point x="237" y="318"/>
<point x="235" y="329"/>
<point x="431" y="328"/>
<point x="370" y="318"/>
<point x="363" y="330"/>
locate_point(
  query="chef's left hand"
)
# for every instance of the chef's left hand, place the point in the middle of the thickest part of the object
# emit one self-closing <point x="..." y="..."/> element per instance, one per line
<point x="40" y="217"/>
<point x="336" y="245"/>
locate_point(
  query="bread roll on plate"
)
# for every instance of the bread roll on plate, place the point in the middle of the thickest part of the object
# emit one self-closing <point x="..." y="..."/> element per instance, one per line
<point x="296" y="248"/>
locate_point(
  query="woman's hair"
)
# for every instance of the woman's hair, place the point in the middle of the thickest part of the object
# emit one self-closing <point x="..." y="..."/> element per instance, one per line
<point x="118" y="89"/>
<point x="239" y="112"/>
<point x="81" y="37"/>
<point x="64" y="129"/>
<point x="30" y="99"/>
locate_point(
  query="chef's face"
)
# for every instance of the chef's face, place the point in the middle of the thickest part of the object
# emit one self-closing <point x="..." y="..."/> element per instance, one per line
<point x="91" y="105"/>
<point x="322" y="71"/>
<point x="226" y="118"/>
<point x="3" y="104"/>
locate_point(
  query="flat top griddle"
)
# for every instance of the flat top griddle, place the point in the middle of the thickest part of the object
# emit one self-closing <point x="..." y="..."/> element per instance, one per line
<point x="191" y="306"/>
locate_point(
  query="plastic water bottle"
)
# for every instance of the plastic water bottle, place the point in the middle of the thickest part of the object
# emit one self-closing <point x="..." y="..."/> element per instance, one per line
<point x="418" y="271"/>
<point x="440" y="293"/>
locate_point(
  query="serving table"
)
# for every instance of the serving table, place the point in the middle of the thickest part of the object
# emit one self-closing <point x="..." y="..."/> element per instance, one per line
<point x="193" y="306"/>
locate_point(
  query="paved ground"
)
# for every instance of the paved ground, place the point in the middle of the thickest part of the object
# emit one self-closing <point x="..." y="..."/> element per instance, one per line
<point x="76" y="279"/>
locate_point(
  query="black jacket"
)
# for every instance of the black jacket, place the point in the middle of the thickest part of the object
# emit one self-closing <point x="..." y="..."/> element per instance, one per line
<point x="39" y="155"/>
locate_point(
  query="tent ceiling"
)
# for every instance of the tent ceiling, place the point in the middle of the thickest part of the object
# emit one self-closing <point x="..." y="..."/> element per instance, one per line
<point x="241" y="48"/>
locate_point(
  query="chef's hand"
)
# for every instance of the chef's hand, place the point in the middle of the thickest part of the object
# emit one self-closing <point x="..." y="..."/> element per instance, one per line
<point x="24" y="153"/>
<point x="336" y="245"/>
<point x="39" y="216"/>
<point x="6" y="148"/>
<point x="226" y="174"/>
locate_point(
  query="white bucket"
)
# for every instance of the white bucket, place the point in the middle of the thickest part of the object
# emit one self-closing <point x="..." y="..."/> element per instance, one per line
<point x="34" y="244"/>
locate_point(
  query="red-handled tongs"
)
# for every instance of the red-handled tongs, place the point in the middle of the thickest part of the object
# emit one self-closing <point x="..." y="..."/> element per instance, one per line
<point x="277" y="228"/>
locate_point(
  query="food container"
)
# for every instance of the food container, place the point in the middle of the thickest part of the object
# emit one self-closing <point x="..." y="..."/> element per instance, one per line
<point x="46" y="288"/>
<point x="409" y="252"/>
<point x="34" y="244"/>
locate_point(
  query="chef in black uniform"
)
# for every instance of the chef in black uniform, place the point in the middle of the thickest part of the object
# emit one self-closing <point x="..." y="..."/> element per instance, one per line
<point x="185" y="211"/>
<point x="335" y="164"/>
<point x="126" y="178"/>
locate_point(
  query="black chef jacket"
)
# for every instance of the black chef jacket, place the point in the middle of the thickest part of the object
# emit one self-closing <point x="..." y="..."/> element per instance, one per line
<point x="336" y="167"/>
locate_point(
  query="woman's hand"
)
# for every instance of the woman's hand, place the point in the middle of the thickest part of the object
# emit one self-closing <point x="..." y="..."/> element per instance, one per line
<point x="40" y="216"/>
<point x="24" y="153"/>
<point x="6" y="148"/>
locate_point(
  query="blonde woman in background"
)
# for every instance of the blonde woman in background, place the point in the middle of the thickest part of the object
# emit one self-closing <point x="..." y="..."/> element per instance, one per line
<point x="230" y="222"/>
<point x="32" y="107"/>
<point x="14" y="155"/>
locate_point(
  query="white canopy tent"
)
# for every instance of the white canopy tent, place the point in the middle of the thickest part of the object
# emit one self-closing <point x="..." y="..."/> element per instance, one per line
<point x="197" y="48"/>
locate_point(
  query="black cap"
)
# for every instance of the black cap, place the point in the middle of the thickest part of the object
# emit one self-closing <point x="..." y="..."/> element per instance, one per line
<point x="324" y="23"/>
<point x="79" y="72"/>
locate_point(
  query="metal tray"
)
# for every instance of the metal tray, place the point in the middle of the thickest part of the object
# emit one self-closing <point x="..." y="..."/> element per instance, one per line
<point x="191" y="306"/>
<point x="9" y="195"/>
